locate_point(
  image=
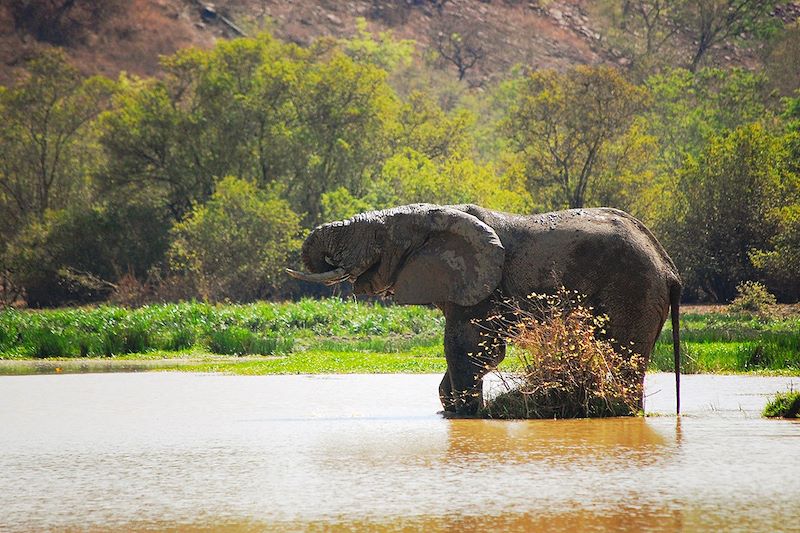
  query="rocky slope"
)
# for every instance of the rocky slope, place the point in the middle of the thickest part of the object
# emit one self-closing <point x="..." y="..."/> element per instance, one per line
<point x="133" y="33"/>
<point x="132" y="37"/>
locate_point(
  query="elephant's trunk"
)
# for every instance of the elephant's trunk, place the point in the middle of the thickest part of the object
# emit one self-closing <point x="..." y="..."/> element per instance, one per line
<point x="316" y="248"/>
<point x="317" y="254"/>
<point x="337" y="251"/>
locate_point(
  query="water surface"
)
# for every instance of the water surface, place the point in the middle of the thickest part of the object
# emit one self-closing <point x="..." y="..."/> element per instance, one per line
<point x="238" y="453"/>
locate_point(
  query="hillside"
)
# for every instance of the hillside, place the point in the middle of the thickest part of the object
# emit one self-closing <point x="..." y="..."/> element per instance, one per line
<point x="129" y="36"/>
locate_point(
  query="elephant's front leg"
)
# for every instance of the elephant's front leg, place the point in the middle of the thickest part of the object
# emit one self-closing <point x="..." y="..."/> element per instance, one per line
<point x="471" y="352"/>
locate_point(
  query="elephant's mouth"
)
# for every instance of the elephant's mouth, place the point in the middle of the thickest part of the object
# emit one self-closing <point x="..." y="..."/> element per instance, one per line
<point x="373" y="281"/>
<point x="386" y="291"/>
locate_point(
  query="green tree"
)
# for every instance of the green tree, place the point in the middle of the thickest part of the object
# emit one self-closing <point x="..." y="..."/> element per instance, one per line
<point x="780" y="262"/>
<point x="236" y="246"/>
<point x="47" y="139"/>
<point x="563" y="125"/>
<point x="312" y="119"/>
<point x="721" y="209"/>
<point x="687" y="110"/>
<point x="411" y="177"/>
<point x="690" y="107"/>
<point x="381" y="50"/>
<point x="339" y="204"/>
<point x="225" y="111"/>
<point x="344" y="111"/>
<point x="423" y="126"/>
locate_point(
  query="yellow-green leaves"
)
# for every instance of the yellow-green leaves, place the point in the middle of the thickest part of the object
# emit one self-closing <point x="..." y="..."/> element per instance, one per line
<point x="236" y="245"/>
<point x="563" y="127"/>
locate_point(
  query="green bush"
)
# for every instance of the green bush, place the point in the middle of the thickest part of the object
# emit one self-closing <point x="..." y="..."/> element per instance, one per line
<point x="46" y="342"/>
<point x="783" y="405"/>
<point x="780" y="262"/>
<point x="237" y="340"/>
<point x="752" y="297"/>
<point x="73" y="255"/>
<point x="235" y="246"/>
<point x="260" y="328"/>
<point x="722" y="199"/>
<point x="180" y="339"/>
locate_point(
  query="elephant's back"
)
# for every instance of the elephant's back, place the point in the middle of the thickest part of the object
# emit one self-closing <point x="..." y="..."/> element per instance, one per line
<point x="588" y="250"/>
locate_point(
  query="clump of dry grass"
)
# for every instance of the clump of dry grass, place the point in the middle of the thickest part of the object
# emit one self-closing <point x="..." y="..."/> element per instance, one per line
<point x="570" y="369"/>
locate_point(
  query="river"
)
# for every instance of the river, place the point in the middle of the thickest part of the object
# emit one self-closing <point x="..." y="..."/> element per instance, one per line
<point x="154" y="451"/>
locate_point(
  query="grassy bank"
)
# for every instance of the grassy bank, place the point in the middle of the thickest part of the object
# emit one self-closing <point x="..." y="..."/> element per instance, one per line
<point x="329" y="336"/>
<point x="257" y="329"/>
<point x="719" y="342"/>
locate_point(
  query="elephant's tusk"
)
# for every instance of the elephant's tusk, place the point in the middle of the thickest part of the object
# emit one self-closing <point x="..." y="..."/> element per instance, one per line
<point x="331" y="277"/>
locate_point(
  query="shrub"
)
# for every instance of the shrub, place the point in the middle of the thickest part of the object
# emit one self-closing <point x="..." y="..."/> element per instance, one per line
<point x="779" y="262"/>
<point x="235" y="246"/>
<point x="181" y="339"/>
<point x="784" y="404"/>
<point x="569" y="371"/>
<point x="752" y="297"/>
<point x="712" y="223"/>
<point x="72" y="255"/>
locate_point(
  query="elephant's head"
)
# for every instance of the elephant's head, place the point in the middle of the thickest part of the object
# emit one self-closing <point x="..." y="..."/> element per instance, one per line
<point x="420" y="253"/>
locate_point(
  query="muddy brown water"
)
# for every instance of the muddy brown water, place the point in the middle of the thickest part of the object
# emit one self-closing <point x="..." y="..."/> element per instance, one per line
<point x="128" y="452"/>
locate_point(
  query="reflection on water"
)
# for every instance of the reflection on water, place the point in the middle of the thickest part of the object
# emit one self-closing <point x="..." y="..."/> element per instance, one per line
<point x="235" y="453"/>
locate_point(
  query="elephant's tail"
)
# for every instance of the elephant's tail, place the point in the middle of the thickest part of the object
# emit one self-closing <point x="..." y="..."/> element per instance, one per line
<point x="674" y="304"/>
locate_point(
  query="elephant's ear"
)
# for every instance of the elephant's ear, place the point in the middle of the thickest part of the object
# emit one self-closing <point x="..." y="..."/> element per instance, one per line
<point x="460" y="260"/>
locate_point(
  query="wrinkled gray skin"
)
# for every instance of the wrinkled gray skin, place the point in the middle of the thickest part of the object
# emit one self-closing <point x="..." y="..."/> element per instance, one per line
<point x="465" y="259"/>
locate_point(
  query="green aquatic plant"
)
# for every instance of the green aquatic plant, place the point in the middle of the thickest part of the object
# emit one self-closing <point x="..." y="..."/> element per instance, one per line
<point x="732" y="342"/>
<point x="259" y="328"/>
<point x="711" y="342"/>
<point x="783" y="405"/>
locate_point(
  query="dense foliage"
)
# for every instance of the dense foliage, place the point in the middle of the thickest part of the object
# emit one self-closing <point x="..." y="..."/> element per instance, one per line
<point x="201" y="183"/>
<point x="234" y="245"/>
<point x="784" y="405"/>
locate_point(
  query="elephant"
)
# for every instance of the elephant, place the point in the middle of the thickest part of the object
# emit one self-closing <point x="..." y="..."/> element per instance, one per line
<point x="466" y="260"/>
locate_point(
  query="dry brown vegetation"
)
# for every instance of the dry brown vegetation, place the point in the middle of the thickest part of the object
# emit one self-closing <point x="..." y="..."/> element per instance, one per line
<point x="130" y="38"/>
<point x="569" y="369"/>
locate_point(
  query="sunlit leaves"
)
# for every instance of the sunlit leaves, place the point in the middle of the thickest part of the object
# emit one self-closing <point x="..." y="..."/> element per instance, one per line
<point x="236" y="245"/>
<point x="562" y="126"/>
